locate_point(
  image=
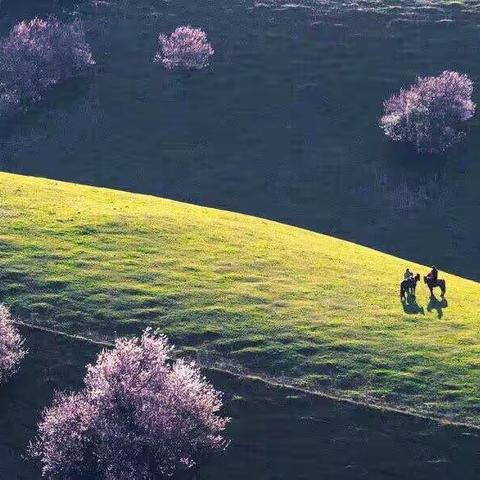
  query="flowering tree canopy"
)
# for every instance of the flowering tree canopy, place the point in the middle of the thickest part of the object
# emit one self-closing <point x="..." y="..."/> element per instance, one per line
<point x="186" y="48"/>
<point x="428" y="114"/>
<point x="38" y="54"/>
<point x="11" y="346"/>
<point x="140" y="416"/>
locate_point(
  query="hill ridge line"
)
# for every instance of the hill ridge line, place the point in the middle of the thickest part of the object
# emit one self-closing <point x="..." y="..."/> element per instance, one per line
<point x="223" y="211"/>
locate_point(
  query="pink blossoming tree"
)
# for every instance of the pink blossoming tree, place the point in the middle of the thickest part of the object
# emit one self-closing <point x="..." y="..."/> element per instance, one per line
<point x="185" y="48"/>
<point x="140" y="416"/>
<point x="429" y="114"/>
<point x="38" y="54"/>
<point x="11" y="346"/>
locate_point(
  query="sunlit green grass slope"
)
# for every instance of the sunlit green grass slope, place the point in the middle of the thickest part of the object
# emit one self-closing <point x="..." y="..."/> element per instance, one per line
<point x="280" y="301"/>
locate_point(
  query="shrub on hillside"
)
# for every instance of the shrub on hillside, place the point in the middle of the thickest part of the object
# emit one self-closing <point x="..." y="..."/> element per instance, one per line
<point x="429" y="114"/>
<point x="140" y="416"/>
<point x="38" y="54"/>
<point x="11" y="346"/>
<point x="186" y="48"/>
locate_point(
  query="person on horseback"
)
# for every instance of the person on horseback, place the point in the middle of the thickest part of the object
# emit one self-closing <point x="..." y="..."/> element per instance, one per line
<point x="433" y="275"/>
<point x="408" y="285"/>
<point x="433" y="281"/>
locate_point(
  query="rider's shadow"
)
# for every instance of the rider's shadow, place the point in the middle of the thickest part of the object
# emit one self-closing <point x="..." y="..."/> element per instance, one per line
<point x="437" y="305"/>
<point x="411" y="306"/>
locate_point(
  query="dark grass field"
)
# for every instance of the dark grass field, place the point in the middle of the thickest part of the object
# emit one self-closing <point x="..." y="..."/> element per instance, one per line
<point x="276" y="433"/>
<point x="284" y="125"/>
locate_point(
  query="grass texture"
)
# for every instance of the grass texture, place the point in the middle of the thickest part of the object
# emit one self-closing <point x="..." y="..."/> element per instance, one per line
<point x="312" y="310"/>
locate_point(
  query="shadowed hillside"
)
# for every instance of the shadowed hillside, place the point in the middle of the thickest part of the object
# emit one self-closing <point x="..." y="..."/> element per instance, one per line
<point x="275" y="433"/>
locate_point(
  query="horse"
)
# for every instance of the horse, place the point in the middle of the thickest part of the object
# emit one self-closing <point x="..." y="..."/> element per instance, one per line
<point x="431" y="284"/>
<point x="409" y="285"/>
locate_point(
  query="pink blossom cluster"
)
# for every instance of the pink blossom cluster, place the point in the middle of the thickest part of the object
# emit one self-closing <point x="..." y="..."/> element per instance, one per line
<point x="141" y="415"/>
<point x="38" y="54"/>
<point x="429" y="114"/>
<point x="186" y="48"/>
<point x="11" y="346"/>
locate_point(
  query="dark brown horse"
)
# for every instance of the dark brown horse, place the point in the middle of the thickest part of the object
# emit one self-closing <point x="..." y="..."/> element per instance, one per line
<point x="409" y="285"/>
<point x="432" y="283"/>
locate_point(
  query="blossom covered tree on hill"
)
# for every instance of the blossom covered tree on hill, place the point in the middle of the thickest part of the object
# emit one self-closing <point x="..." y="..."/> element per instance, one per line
<point x="140" y="415"/>
<point x="429" y="114"/>
<point x="38" y="54"/>
<point x="186" y="48"/>
<point x="12" y="350"/>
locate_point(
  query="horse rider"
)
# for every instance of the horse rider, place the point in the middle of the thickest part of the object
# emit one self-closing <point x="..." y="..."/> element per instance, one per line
<point x="407" y="275"/>
<point x="433" y="275"/>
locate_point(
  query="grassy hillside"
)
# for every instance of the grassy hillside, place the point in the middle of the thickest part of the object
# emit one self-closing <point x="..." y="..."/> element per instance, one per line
<point x="316" y="311"/>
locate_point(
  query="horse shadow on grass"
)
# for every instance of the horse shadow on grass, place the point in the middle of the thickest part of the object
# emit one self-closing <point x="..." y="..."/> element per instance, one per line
<point x="411" y="306"/>
<point x="437" y="305"/>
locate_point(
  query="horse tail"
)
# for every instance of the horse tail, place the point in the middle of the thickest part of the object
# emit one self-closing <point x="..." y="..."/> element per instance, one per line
<point x="402" y="291"/>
